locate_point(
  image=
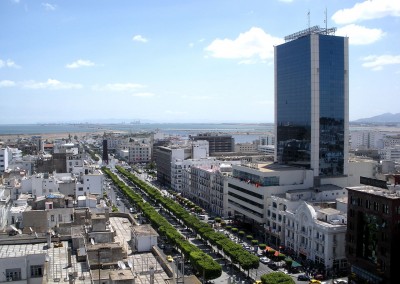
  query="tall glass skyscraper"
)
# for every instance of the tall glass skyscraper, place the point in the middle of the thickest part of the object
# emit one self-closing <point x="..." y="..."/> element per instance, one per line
<point x="311" y="101"/>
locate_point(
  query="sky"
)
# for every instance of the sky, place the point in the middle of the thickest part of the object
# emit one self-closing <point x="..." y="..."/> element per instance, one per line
<point x="179" y="60"/>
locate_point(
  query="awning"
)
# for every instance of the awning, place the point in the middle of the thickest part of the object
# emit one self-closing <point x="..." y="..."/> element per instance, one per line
<point x="268" y="248"/>
<point x="295" y="264"/>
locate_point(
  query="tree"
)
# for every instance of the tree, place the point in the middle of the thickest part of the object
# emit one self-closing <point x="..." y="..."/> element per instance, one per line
<point x="241" y="234"/>
<point x="277" y="278"/>
<point x="262" y="246"/>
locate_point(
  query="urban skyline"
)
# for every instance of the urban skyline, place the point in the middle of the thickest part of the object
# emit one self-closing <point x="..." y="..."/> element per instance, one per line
<point x="179" y="62"/>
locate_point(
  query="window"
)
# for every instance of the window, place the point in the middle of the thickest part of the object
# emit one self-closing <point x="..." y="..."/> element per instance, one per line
<point x="52" y="218"/>
<point x="13" y="274"/>
<point x="36" y="270"/>
<point x="59" y="217"/>
<point x="80" y="188"/>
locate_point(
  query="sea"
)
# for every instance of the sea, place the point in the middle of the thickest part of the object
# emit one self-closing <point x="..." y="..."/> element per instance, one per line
<point x="242" y="132"/>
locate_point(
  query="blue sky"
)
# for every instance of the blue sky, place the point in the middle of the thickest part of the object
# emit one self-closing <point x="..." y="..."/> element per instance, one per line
<point x="179" y="61"/>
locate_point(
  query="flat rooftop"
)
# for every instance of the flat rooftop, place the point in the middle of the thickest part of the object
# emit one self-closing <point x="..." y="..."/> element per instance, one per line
<point x="57" y="270"/>
<point x="391" y="194"/>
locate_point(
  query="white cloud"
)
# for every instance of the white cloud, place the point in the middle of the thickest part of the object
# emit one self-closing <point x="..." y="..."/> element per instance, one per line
<point x="51" y="84"/>
<point x="118" y="87"/>
<point x="143" y="95"/>
<point x="7" y="83"/>
<point x="8" y="63"/>
<point x="80" y="63"/>
<point x="15" y="1"/>
<point x="377" y="62"/>
<point x="254" y="43"/>
<point x="139" y="38"/>
<point x="49" y="7"/>
<point x="359" y="35"/>
<point x="367" y="10"/>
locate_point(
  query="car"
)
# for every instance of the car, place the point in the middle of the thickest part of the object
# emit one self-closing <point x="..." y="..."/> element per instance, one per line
<point x="303" y="277"/>
<point x="264" y="259"/>
<point x="273" y="266"/>
<point x="131" y="210"/>
<point x="319" y="277"/>
<point x="170" y="258"/>
<point x="340" y="281"/>
<point x="314" y="281"/>
<point x="257" y="282"/>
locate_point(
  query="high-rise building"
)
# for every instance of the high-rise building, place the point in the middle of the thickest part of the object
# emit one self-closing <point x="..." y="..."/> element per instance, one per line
<point x="311" y="101"/>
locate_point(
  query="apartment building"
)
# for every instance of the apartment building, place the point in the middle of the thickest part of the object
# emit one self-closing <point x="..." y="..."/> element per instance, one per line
<point x="373" y="231"/>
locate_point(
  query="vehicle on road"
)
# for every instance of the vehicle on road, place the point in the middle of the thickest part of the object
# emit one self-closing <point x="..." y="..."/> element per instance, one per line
<point x="340" y="281"/>
<point x="257" y="282"/>
<point x="170" y="258"/>
<point x="303" y="277"/>
<point x="264" y="260"/>
<point x="314" y="281"/>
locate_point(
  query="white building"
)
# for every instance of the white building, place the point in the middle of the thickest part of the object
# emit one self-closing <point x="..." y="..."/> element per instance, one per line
<point x="143" y="238"/>
<point x="206" y="187"/>
<point x="250" y="187"/>
<point x="90" y="183"/>
<point x="4" y="205"/>
<point x="367" y="139"/>
<point x="75" y="163"/>
<point x="245" y="147"/>
<point x="317" y="234"/>
<point x="266" y="149"/>
<point x="391" y="153"/>
<point x="39" y="184"/>
<point x="139" y="153"/>
<point x="19" y="206"/>
<point x="4" y="159"/>
<point x="22" y="266"/>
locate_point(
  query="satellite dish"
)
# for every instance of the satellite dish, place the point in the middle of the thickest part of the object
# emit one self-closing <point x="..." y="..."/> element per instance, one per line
<point x="36" y="236"/>
<point x="92" y="241"/>
<point x="130" y="264"/>
<point x="30" y="228"/>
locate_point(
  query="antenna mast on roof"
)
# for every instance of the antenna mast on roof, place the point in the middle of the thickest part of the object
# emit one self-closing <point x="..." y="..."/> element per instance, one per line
<point x="308" y="17"/>
<point x="326" y="21"/>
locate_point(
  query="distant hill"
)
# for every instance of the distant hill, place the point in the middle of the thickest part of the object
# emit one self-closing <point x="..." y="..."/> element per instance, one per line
<point x="382" y="118"/>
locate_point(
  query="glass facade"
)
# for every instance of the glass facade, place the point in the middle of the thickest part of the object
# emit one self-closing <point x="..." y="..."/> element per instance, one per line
<point x="298" y="79"/>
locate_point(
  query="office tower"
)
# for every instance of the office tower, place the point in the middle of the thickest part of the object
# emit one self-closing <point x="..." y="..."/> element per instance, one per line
<point x="311" y="101"/>
<point x="105" y="151"/>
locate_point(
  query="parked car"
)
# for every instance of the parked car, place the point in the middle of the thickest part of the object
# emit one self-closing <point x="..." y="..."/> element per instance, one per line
<point x="340" y="281"/>
<point x="264" y="259"/>
<point x="319" y="277"/>
<point x="170" y="258"/>
<point x="314" y="281"/>
<point x="273" y="266"/>
<point x="303" y="277"/>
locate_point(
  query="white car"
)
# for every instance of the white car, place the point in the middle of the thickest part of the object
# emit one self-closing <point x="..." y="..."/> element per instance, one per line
<point x="264" y="259"/>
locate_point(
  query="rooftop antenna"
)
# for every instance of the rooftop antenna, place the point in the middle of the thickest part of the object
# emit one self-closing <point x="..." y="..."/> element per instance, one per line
<point x="326" y="21"/>
<point x="308" y="17"/>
